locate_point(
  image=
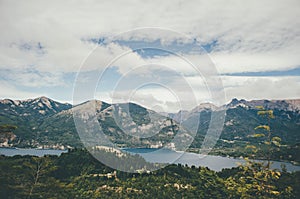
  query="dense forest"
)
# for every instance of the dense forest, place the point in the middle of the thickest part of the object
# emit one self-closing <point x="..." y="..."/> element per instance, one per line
<point x="77" y="174"/>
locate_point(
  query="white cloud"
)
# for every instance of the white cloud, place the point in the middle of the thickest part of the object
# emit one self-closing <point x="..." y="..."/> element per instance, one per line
<point x="7" y="90"/>
<point x="252" y="26"/>
<point x="250" y="36"/>
<point x="171" y="97"/>
<point x="262" y="87"/>
<point x="33" y="78"/>
<point x="256" y="62"/>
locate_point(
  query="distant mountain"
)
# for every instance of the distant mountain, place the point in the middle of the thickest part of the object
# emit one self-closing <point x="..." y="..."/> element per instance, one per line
<point x="41" y="107"/>
<point x="282" y="105"/>
<point x="127" y="125"/>
<point x="242" y="118"/>
<point x="43" y="121"/>
<point x="285" y="105"/>
<point x="27" y="115"/>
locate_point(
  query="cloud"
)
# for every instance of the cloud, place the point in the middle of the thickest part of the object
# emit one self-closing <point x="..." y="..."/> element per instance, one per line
<point x="248" y="27"/>
<point x="7" y="90"/>
<point x="256" y="62"/>
<point x="170" y="97"/>
<point x="41" y="42"/>
<point x="261" y="87"/>
<point x="32" y="78"/>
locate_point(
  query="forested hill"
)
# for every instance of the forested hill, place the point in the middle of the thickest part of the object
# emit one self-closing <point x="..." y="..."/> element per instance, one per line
<point x="78" y="175"/>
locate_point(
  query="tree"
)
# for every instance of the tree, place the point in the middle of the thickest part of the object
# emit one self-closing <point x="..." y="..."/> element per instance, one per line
<point x="257" y="179"/>
<point x="40" y="170"/>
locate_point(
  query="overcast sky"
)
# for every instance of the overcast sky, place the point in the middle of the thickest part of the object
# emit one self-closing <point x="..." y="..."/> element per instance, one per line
<point x="252" y="46"/>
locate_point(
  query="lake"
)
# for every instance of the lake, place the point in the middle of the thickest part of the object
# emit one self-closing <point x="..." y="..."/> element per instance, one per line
<point x="216" y="163"/>
<point x="35" y="152"/>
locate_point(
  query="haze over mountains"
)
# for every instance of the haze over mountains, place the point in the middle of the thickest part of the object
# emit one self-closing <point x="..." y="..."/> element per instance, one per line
<point x="42" y="122"/>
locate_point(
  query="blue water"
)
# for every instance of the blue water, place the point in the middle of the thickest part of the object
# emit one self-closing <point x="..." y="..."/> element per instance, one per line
<point x="35" y="152"/>
<point x="216" y="163"/>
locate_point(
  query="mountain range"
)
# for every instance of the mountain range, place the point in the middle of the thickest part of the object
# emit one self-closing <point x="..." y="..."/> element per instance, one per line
<point x="43" y="122"/>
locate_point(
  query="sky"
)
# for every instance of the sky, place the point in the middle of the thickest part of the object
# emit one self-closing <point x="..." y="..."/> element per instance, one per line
<point x="165" y="55"/>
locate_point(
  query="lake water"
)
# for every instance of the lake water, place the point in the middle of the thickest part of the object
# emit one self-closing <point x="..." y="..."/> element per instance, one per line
<point x="216" y="163"/>
<point x="35" y="152"/>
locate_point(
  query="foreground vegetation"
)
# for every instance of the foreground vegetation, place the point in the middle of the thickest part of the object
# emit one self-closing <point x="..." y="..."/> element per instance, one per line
<point x="78" y="175"/>
<point x="284" y="153"/>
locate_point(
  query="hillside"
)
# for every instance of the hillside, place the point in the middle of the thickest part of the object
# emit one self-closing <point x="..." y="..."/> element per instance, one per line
<point x="57" y="126"/>
<point x="239" y="126"/>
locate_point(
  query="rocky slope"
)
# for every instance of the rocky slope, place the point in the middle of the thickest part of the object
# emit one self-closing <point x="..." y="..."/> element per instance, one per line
<point x="42" y="121"/>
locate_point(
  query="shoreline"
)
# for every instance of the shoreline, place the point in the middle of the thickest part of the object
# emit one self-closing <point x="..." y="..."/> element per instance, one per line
<point x="25" y="148"/>
<point x="155" y="149"/>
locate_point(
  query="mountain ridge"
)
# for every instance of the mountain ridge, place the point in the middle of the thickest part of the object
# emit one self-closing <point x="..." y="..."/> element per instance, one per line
<point x="56" y="126"/>
<point x="291" y="104"/>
